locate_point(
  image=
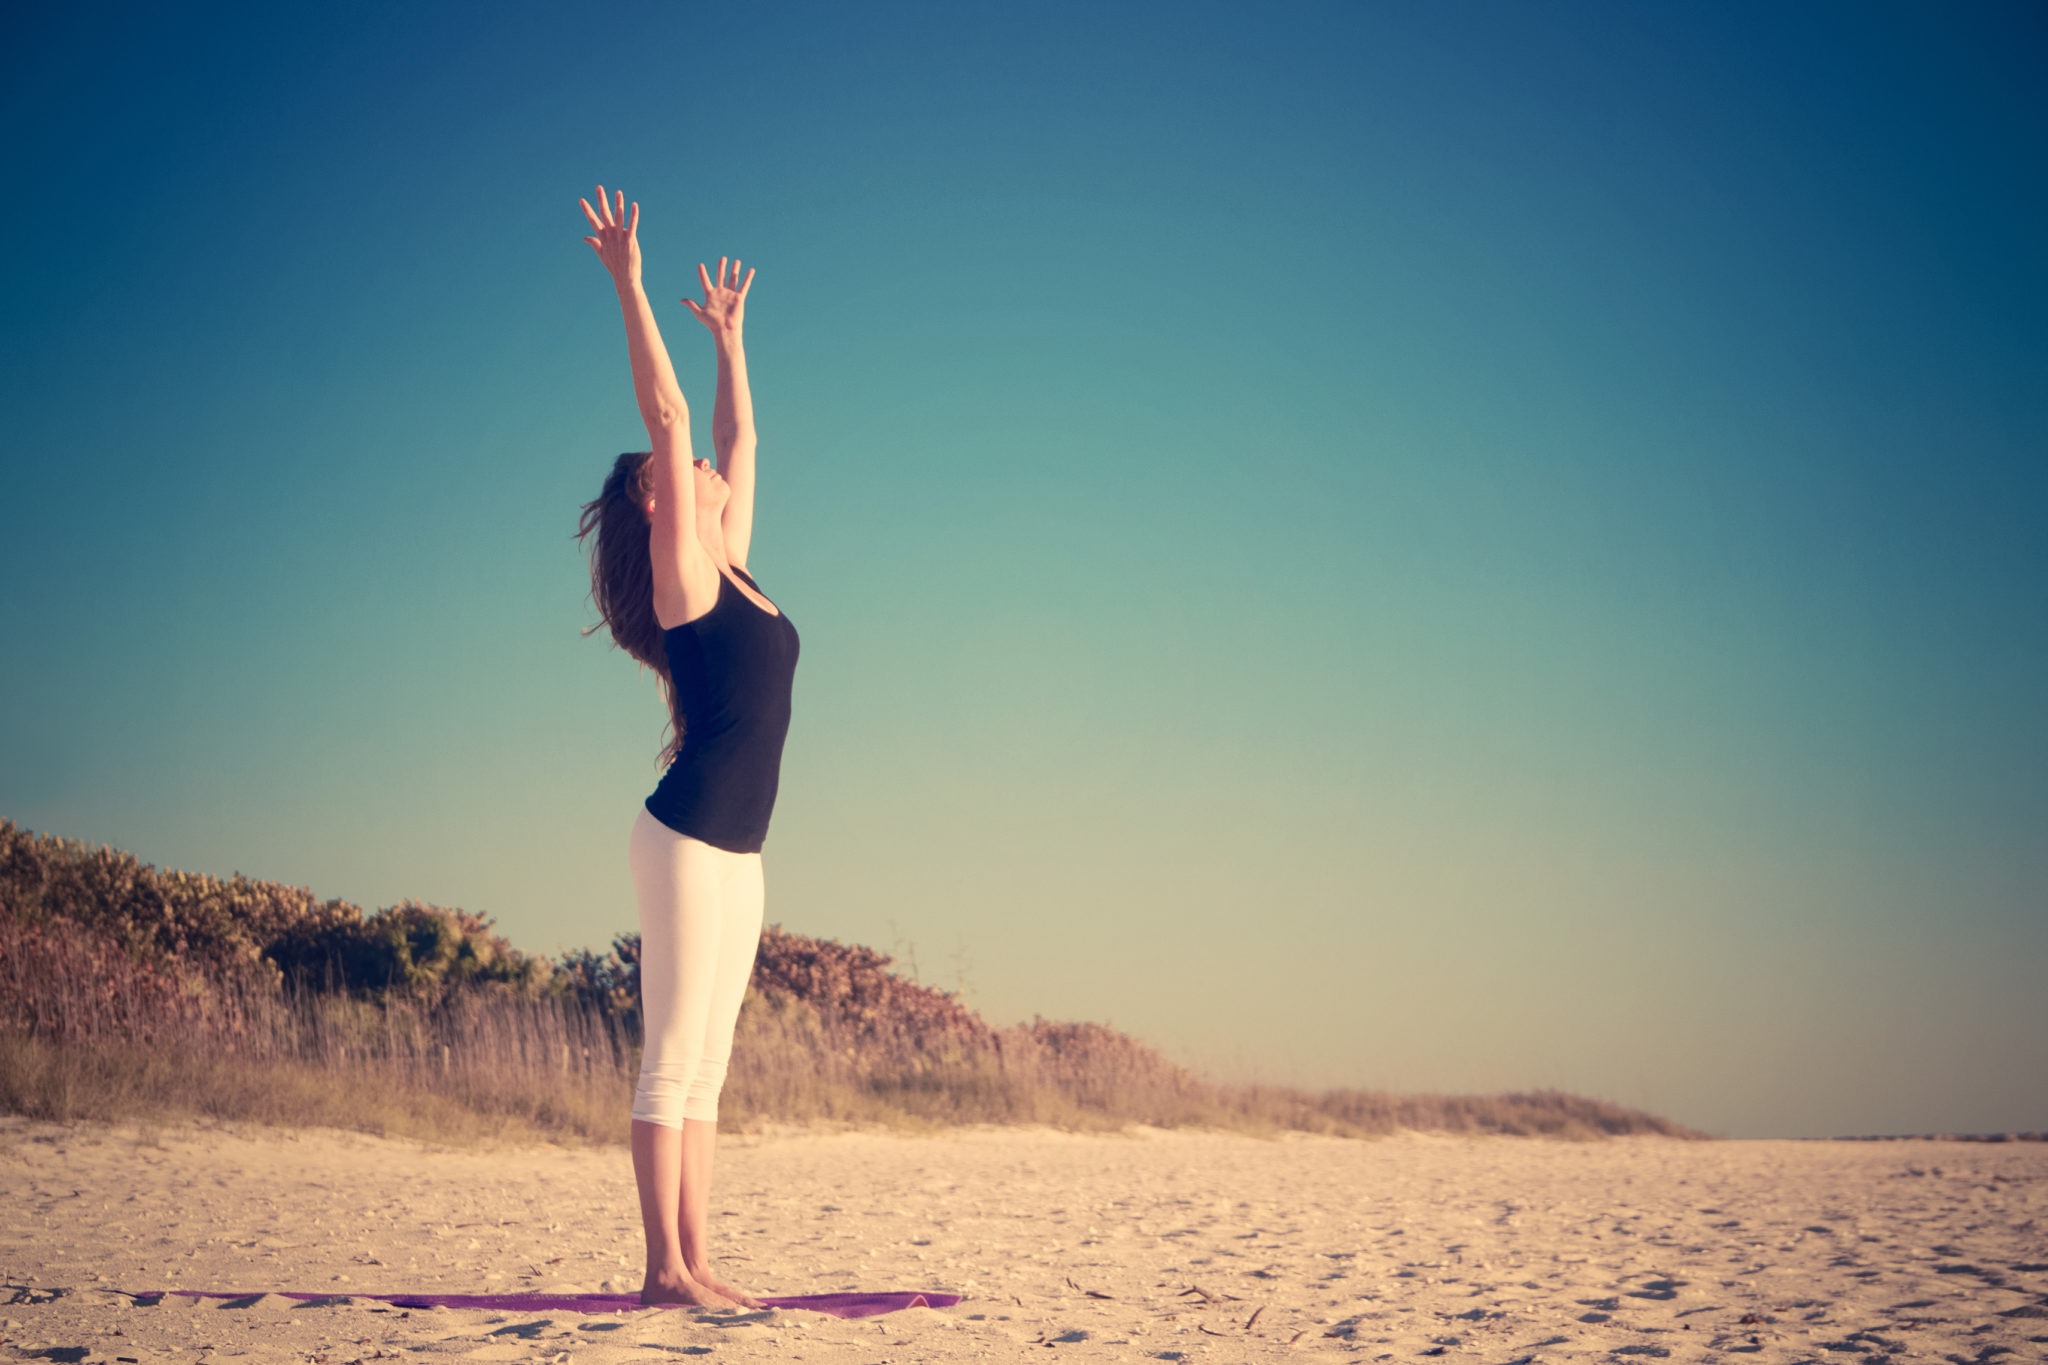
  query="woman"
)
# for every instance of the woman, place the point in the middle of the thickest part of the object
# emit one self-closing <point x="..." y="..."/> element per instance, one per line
<point x="668" y="574"/>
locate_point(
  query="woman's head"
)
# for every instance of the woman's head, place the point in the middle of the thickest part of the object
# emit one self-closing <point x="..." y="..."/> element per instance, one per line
<point x="711" y="492"/>
<point x="621" y="574"/>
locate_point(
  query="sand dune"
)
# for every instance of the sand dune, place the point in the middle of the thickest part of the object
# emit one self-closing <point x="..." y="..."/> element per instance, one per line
<point x="1156" y="1245"/>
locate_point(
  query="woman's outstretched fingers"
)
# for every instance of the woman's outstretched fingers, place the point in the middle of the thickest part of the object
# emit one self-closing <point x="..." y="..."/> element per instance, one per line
<point x="617" y="243"/>
<point x="725" y="300"/>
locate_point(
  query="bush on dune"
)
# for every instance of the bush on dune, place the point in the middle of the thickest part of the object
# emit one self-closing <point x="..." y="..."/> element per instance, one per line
<point x="125" y="990"/>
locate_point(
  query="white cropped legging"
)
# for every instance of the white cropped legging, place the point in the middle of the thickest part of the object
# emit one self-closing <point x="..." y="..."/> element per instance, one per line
<point x="701" y="909"/>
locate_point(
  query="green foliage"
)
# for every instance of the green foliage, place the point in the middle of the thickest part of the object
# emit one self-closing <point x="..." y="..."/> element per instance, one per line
<point x="608" y="981"/>
<point x="422" y="949"/>
<point x="217" y="925"/>
<point x="240" y="928"/>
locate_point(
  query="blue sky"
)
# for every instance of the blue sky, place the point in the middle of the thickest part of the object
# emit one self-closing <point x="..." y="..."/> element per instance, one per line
<point x="1442" y="547"/>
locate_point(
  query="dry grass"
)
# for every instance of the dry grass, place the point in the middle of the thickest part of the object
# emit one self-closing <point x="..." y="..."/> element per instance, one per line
<point x="126" y="994"/>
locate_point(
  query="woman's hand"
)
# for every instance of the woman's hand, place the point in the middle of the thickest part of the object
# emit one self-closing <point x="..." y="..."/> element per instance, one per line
<point x="725" y="305"/>
<point x="615" y="243"/>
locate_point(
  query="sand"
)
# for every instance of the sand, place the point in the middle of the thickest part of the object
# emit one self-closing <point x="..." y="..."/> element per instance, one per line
<point x="1152" y="1245"/>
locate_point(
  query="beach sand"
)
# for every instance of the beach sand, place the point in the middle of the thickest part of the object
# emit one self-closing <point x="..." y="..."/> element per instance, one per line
<point x="1152" y="1245"/>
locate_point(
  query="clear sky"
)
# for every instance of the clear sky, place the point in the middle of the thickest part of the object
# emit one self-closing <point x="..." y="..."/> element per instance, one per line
<point x="1446" y="547"/>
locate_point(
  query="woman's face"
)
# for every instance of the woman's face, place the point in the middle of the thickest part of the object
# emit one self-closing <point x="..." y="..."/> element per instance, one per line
<point x="711" y="489"/>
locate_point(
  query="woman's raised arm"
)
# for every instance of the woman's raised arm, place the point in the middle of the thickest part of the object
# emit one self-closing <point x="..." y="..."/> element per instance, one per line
<point x="723" y="313"/>
<point x="673" y="528"/>
<point x="654" y="379"/>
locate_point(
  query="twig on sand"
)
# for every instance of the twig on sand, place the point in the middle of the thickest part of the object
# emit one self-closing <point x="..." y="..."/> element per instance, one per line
<point x="1207" y="1297"/>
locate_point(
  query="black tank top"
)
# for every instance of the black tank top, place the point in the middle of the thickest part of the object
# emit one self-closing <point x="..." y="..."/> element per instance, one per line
<point x="732" y="668"/>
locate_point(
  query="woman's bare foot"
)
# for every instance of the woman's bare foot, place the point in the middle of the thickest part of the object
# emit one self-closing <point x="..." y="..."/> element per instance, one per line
<point x="703" y="1276"/>
<point x="670" y="1286"/>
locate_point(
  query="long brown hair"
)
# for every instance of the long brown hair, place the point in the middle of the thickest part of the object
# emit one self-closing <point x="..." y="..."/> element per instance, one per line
<point x="622" y="575"/>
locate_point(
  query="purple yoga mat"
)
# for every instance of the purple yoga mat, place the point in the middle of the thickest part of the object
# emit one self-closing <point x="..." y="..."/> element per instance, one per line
<point x="838" y="1305"/>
